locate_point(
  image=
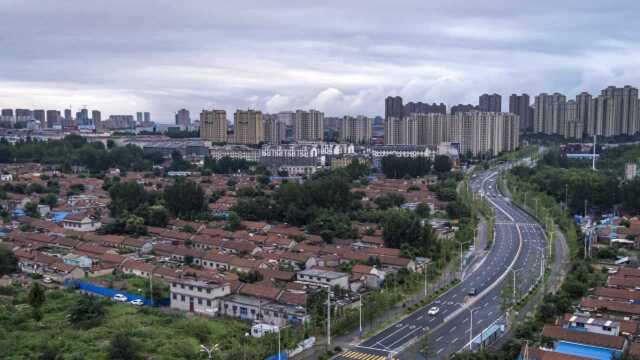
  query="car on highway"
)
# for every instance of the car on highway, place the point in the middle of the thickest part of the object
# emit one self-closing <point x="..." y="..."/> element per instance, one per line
<point x="136" y="302"/>
<point x="472" y="292"/>
<point x="433" y="310"/>
<point x="119" y="298"/>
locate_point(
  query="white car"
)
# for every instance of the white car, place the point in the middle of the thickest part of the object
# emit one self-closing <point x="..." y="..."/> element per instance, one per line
<point x="136" y="302"/>
<point x="433" y="311"/>
<point x="120" y="298"/>
<point x="47" y="280"/>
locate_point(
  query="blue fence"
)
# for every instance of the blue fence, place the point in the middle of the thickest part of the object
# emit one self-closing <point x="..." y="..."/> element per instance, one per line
<point x="110" y="293"/>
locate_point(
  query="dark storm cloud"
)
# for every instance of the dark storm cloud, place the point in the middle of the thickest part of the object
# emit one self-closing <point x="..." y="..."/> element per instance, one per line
<point x="339" y="56"/>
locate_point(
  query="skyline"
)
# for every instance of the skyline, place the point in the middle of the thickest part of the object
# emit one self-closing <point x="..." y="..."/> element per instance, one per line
<point x="337" y="58"/>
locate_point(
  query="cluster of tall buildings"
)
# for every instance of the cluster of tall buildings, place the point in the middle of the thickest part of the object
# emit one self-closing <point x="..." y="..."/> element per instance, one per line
<point x="254" y="127"/>
<point x="614" y="112"/>
<point x="478" y="132"/>
<point x="54" y="119"/>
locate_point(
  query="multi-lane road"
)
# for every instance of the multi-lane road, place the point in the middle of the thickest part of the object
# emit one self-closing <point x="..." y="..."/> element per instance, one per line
<point x="518" y="248"/>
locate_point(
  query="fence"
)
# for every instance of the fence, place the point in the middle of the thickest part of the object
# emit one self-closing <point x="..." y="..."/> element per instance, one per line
<point x="110" y="293"/>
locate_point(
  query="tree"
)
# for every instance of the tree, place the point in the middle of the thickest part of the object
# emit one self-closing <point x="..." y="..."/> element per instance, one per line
<point x="233" y="222"/>
<point x="442" y="164"/>
<point x="31" y="209"/>
<point x="123" y="347"/>
<point x="157" y="215"/>
<point x="86" y="312"/>
<point x="423" y="210"/>
<point x="127" y="197"/>
<point x="135" y="225"/>
<point x="49" y="199"/>
<point x="389" y="200"/>
<point x="185" y="199"/>
<point x="36" y="299"/>
<point x="8" y="261"/>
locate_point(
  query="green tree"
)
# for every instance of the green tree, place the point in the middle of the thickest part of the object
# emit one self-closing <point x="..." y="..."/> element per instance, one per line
<point x="123" y="347"/>
<point x="442" y="164"/>
<point x="8" y="261"/>
<point x="31" y="209"/>
<point x="157" y="215"/>
<point x="233" y="222"/>
<point x="127" y="197"/>
<point x="423" y="210"/>
<point x="185" y="199"/>
<point x="87" y="311"/>
<point x="36" y="299"/>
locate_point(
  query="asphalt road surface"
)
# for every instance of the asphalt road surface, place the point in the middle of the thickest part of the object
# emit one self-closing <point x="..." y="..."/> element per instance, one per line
<point x="518" y="248"/>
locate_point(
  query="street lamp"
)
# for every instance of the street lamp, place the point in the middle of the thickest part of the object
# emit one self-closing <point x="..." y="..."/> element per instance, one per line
<point x="360" y="308"/>
<point x="471" y="324"/>
<point x="244" y="356"/>
<point x="210" y="351"/>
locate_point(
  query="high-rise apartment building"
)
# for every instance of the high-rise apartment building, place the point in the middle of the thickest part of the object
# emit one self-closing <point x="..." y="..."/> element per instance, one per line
<point x="214" y="125"/>
<point x="356" y="129"/>
<point x="183" y="118"/>
<point x="422" y="108"/>
<point x="573" y="127"/>
<point x="394" y="131"/>
<point x="248" y="127"/>
<point x="53" y="119"/>
<point x="308" y="125"/>
<point x="82" y="118"/>
<point x="462" y="108"/>
<point x="521" y="106"/>
<point x="40" y="116"/>
<point x="393" y="107"/>
<point x="139" y="117"/>
<point x="68" y="118"/>
<point x="96" y="117"/>
<point x="274" y="129"/>
<point x="583" y="114"/>
<point x="549" y="113"/>
<point x="618" y="110"/>
<point x="147" y="117"/>
<point x="489" y="102"/>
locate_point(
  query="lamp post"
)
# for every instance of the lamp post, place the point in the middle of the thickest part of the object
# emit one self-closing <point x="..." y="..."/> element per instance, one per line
<point x="426" y="274"/>
<point x="244" y="354"/>
<point x="360" y="315"/>
<point x="328" y="317"/>
<point x="471" y="325"/>
<point x="462" y="243"/>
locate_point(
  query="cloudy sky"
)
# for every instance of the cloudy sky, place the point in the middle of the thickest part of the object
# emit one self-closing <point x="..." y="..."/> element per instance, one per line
<point x="342" y="57"/>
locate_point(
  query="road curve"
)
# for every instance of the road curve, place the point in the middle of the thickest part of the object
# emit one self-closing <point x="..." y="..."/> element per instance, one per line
<point x="518" y="246"/>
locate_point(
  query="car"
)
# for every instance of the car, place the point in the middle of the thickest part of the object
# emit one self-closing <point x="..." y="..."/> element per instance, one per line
<point x="433" y="311"/>
<point x="47" y="280"/>
<point x="472" y="292"/>
<point x="120" y="298"/>
<point x="136" y="302"/>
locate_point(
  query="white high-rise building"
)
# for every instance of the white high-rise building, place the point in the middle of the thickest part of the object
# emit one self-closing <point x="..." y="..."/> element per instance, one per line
<point x="356" y="129"/>
<point x="308" y="125"/>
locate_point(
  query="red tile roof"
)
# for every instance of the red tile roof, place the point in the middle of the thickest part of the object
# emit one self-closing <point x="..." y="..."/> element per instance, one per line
<point x="606" y="341"/>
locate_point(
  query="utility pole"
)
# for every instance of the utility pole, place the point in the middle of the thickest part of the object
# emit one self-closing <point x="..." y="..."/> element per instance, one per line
<point x="426" y="268"/>
<point x="360" y="315"/>
<point x="328" y="316"/>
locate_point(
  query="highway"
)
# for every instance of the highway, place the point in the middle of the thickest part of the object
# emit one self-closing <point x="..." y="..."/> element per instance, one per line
<point x="519" y="245"/>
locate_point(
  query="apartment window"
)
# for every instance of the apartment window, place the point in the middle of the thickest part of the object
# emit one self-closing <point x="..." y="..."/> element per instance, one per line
<point x="175" y="297"/>
<point x="199" y="301"/>
<point x="209" y="303"/>
<point x="199" y="289"/>
<point x="182" y="286"/>
<point x="173" y="284"/>
<point x="606" y="328"/>
<point x="243" y="311"/>
<point x="579" y="324"/>
<point x="182" y="297"/>
<point x="191" y="287"/>
<point x="208" y="291"/>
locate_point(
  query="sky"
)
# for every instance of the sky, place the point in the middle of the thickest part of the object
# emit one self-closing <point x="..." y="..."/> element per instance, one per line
<point x="341" y="57"/>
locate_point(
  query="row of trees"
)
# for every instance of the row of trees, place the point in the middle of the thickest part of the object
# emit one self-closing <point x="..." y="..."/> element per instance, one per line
<point x="134" y="207"/>
<point x="399" y="167"/>
<point x="74" y="150"/>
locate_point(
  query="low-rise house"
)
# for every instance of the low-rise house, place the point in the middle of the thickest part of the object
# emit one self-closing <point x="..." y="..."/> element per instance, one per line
<point x="593" y="325"/>
<point x="616" y="344"/>
<point x="137" y="268"/>
<point x="610" y="307"/>
<point x="370" y="277"/>
<point x="81" y="222"/>
<point x="298" y="261"/>
<point x="197" y="295"/>
<point x="81" y="261"/>
<point x="324" y="278"/>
